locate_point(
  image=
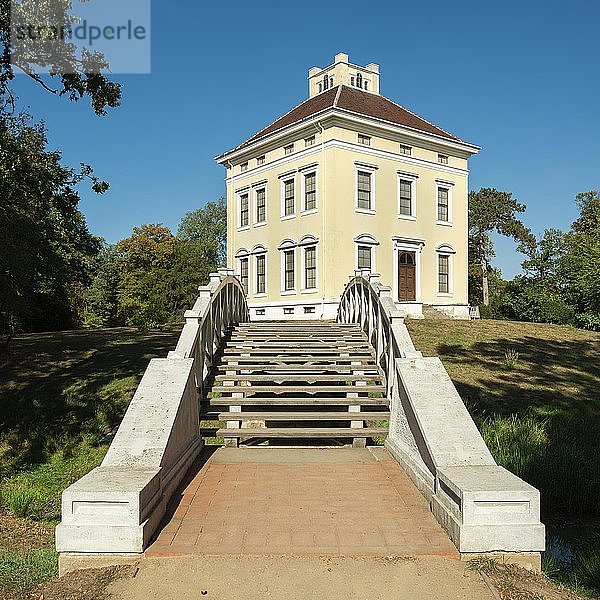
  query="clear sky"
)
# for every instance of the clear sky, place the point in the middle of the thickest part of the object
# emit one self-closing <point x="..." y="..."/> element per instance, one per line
<point x="518" y="78"/>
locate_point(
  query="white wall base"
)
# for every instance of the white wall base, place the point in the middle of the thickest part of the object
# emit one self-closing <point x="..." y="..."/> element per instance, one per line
<point x="454" y="311"/>
<point x="311" y="309"/>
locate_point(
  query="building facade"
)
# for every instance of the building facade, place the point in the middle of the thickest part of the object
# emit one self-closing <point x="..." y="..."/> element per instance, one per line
<point x="348" y="180"/>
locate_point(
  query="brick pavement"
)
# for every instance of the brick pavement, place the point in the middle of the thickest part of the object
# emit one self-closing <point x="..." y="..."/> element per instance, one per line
<point x="291" y="501"/>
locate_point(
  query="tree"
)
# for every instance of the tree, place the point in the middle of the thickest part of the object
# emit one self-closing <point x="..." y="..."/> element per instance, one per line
<point x="73" y="74"/>
<point x="492" y="210"/>
<point x="580" y="265"/>
<point x="543" y="256"/>
<point x="47" y="250"/>
<point x="145" y="291"/>
<point x="208" y="227"/>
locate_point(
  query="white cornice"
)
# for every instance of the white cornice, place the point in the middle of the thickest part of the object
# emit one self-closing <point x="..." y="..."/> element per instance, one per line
<point x="368" y="150"/>
<point x="342" y="116"/>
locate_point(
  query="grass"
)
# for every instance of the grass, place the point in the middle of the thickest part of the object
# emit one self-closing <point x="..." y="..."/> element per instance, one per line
<point x="540" y="413"/>
<point x="63" y="394"/>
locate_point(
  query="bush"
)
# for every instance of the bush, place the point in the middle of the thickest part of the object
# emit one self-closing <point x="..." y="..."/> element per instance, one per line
<point x="588" y="320"/>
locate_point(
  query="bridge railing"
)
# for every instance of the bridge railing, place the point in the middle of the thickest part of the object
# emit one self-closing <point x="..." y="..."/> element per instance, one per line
<point x="483" y="507"/>
<point x="116" y="507"/>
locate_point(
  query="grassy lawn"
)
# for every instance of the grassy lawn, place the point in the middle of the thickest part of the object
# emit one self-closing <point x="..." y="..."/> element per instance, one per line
<point x="61" y="396"/>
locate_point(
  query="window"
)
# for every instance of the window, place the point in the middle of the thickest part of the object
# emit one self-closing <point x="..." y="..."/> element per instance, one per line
<point x="310" y="191"/>
<point x="261" y="274"/>
<point x="443" y="205"/>
<point x="244" y="273"/>
<point x="407" y="150"/>
<point x="243" y="167"/>
<point x="442" y="159"/>
<point x="288" y="149"/>
<point x="244" y="210"/>
<point x="364" y="190"/>
<point x="289" y="275"/>
<point x="261" y="205"/>
<point x="443" y="273"/>
<point x="288" y="197"/>
<point x="364" y="257"/>
<point x="405" y="206"/>
<point x="359" y="80"/>
<point x="310" y="267"/>
<point x="309" y="141"/>
<point x="365" y="140"/>
<point x="260" y="160"/>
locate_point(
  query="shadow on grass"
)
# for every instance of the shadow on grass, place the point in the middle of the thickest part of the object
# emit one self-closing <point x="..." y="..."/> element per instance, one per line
<point x="59" y="388"/>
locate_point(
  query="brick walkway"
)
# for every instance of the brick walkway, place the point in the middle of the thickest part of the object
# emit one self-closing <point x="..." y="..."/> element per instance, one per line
<point x="258" y="501"/>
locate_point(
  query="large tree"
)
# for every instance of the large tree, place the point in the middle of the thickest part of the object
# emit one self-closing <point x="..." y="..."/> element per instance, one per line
<point x="491" y="210"/>
<point x="72" y="73"/>
<point x="46" y="249"/>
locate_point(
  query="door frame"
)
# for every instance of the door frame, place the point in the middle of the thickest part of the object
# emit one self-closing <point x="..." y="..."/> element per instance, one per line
<point x="402" y="244"/>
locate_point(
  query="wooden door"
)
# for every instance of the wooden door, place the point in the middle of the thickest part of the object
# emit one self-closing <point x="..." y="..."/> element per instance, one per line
<point x="407" y="284"/>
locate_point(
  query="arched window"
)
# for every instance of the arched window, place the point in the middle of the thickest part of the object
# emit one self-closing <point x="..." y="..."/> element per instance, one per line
<point x="406" y="258"/>
<point x="359" y="80"/>
<point x="326" y="82"/>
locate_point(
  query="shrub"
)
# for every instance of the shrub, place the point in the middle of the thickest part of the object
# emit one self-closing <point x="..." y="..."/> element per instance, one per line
<point x="588" y="320"/>
<point x="18" y="499"/>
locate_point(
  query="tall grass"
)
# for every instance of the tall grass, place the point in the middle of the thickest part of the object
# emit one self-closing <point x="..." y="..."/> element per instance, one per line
<point x="558" y="458"/>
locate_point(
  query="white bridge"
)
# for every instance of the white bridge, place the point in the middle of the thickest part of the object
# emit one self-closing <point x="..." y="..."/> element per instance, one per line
<point x="329" y="383"/>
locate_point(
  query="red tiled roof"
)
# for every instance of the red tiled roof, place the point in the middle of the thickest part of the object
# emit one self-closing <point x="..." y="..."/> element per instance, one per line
<point x="356" y="101"/>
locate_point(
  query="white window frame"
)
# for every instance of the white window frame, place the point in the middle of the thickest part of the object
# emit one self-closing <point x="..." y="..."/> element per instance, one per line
<point x="310" y="141"/>
<point x="304" y="171"/>
<point x="258" y="252"/>
<point x="401" y="244"/>
<point x="288" y="246"/>
<point x="255" y="189"/>
<point x="241" y="255"/>
<point x="364" y="139"/>
<point x="243" y="192"/>
<point x="371" y="169"/>
<point x="405" y="150"/>
<point x="260" y="160"/>
<point x="282" y="179"/>
<point x="443" y="159"/>
<point x="447" y="185"/>
<point x="366" y="239"/>
<point x="309" y="241"/>
<point x="243" y="167"/>
<point x="412" y="177"/>
<point x="288" y="149"/>
<point x="448" y="251"/>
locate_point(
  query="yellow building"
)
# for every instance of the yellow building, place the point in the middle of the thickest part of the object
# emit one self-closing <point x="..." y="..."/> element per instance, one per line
<point x="348" y="180"/>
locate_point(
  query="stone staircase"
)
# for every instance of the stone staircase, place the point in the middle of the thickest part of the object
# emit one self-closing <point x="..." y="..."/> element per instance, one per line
<point x="297" y="383"/>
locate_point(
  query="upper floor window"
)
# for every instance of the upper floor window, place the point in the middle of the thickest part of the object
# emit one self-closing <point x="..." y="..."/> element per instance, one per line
<point x="288" y="197"/>
<point x="244" y="211"/>
<point x="261" y="205"/>
<point x="310" y="191"/>
<point x="365" y="140"/>
<point x="407" y="150"/>
<point x="288" y="149"/>
<point x="406" y="201"/>
<point x="364" y="190"/>
<point x="260" y="160"/>
<point x="442" y="159"/>
<point x="310" y="141"/>
<point x="243" y="167"/>
<point x="443" y="204"/>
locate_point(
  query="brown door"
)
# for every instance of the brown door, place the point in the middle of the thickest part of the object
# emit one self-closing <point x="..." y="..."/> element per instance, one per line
<point x="406" y="277"/>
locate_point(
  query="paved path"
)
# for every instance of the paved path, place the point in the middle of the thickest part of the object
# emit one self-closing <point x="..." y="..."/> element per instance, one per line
<point x="300" y="502"/>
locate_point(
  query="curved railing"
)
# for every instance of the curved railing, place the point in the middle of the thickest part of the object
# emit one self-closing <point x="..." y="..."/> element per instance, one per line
<point x="117" y="507"/>
<point x="483" y="507"/>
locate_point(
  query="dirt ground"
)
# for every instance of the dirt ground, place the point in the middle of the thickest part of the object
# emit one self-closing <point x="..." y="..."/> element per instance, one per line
<point x="260" y="578"/>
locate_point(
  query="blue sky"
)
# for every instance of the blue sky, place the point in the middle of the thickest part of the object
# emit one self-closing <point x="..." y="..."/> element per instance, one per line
<point x="519" y="79"/>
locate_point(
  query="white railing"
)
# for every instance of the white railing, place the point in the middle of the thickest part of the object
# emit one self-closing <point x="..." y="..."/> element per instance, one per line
<point x="483" y="507"/>
<point x="117" y="507"/>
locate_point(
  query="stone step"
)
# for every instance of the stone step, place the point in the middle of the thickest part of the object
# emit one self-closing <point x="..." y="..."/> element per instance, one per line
<point x="289" y="345"/>
<point x="299" y="352"/>
<point x="283" y="369"/>
<point x="299" y="360"/>
<point x="250" y="390"/>
<point x="296" y="401"/>
<point x="297" y="377"/>
<point x="304" y="432"/>
<point x="297" y="416"/>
